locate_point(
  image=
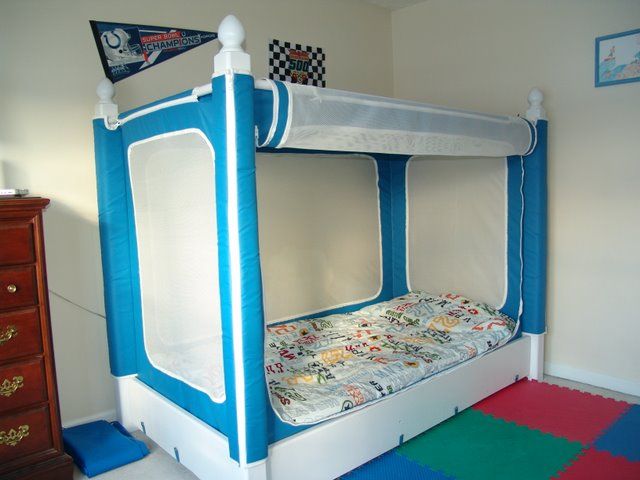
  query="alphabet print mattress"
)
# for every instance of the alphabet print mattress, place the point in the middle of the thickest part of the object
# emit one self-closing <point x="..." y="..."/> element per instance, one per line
<point x="320" y="368"/>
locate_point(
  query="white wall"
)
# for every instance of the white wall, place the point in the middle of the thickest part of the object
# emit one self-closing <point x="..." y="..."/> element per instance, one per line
<point x="49" y="69"/>
<point x="486" y="55"/>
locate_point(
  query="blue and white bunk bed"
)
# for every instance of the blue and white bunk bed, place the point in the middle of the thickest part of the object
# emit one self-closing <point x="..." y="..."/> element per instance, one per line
<point x="267" y="249"/>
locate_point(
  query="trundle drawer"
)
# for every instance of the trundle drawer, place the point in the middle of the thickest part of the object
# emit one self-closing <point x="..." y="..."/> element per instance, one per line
<point x="20" y="333"/>
<point x="16" y="243"/>
<point x="22" y="384"/>
<point x="24" y="434"/>
<point x="18" y="287"/>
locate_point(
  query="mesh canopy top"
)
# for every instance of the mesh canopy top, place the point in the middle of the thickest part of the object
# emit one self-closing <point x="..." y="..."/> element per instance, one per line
<point x="327" y="119"/>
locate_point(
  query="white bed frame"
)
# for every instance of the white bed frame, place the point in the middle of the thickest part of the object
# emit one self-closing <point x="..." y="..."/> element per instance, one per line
<point x="345" y="442"/>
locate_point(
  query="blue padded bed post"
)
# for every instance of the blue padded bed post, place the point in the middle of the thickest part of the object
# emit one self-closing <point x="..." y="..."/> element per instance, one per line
<point x="535" y="235"/>
<point x="393" y="219"/>
<point x="251" y="281"/>
<point x="248" y="435"/>
<point x="113" y="220"/>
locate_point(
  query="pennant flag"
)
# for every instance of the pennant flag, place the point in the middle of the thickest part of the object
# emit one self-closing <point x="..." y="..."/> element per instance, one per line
<point x="126" y="49"/>
<point x="295" y="63"/>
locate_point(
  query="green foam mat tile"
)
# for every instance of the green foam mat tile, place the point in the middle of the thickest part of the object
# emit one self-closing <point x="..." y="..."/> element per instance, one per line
<point x="475" y="446"/>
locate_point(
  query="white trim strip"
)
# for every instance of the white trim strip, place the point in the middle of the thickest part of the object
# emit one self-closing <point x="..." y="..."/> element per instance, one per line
<point x="521" y="304"/>
<point x="234" y="264"/>
<point x="406" y="223"/>
<point x="506" y="234"/>
<point x="145" y="111"/>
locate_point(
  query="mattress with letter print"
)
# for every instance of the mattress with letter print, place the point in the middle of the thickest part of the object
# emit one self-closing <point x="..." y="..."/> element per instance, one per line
<point x="321" y="368"/>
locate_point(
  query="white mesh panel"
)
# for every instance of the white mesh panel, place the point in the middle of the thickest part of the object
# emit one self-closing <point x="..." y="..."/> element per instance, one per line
<point x="172" y="183"/>
<point x="322" y="118"/>
<point x="457" y="226"/>
<point x="319" y="232"/>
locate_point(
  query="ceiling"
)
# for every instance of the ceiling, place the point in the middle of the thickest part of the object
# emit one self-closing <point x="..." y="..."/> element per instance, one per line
<point x="393" y="4"/>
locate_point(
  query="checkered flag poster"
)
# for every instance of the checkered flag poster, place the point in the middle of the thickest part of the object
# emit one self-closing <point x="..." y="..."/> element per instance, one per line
<point x="295" y="63"/>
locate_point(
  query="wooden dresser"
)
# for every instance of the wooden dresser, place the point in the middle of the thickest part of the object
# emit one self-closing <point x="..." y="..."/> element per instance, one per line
<point x="30" y="436"/>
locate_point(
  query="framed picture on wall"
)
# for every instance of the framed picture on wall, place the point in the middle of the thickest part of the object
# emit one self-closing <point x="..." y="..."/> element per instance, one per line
<point x="618" y="58"/>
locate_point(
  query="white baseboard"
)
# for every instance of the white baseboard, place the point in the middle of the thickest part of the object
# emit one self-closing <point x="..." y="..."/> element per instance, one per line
<point x="596" y="379"/>
<point x="109" y="416"/>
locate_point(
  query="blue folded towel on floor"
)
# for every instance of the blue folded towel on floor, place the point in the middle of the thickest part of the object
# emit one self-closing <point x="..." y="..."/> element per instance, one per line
<point x="98" y="447"/>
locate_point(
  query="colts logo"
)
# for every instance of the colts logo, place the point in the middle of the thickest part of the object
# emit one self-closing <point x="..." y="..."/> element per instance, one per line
<point x="117" y="48"/>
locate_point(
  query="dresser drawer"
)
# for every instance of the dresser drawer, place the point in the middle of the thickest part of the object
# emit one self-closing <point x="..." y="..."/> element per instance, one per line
<point x="24" y="434"/>
<point x="16" y="243"/>
<point x="18" y="287"/>
<point x="22" y="384"/>
<point x="20" y="333"/>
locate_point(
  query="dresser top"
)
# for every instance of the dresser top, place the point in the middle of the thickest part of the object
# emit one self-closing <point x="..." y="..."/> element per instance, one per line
<point x="23" y="202"/>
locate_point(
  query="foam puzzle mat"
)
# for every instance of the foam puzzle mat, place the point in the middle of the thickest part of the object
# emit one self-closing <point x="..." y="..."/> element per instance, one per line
<point x="528" y="431"/>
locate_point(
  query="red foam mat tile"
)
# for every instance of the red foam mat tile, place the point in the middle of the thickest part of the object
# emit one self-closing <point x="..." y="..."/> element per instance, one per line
<point x="560" y="411"/>
<point x="595" y="464"/>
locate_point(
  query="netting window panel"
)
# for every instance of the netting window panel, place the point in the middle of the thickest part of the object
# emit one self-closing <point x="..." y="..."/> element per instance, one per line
<point x="457" y="228"/>
<point x="173" y="188"/>
<point x="319" y="228"/>
<point x="356" y="122"/>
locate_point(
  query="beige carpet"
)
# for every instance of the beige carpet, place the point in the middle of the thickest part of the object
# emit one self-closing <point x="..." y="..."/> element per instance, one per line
<point x="158" y="465"/>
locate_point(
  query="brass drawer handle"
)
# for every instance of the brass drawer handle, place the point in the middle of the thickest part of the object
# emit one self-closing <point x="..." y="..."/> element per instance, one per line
<point x="10" y="332"/>
<point x="8" y="388"/>
<point x="13" y="437"/>
<point x="12" y="288"/>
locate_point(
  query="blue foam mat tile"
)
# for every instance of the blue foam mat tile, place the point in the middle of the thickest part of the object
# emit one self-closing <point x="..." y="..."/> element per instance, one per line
<point x="623" y="436"/>
<point x="391" y="465"/>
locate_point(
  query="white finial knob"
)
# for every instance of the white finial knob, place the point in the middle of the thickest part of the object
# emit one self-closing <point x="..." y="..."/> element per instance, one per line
<point x="231" y="34"/>
<point x="106" y="107"/>
<point x="536" y="110"/>
<point x="106" y="91"/>
<point x="535" y="97"/>
<point x="231" y="57"/>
